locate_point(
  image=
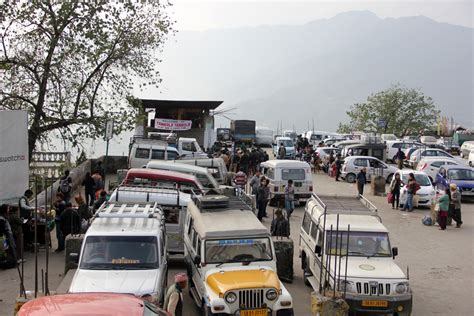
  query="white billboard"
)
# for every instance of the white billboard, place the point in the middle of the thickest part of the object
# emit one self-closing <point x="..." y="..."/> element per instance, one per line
<point x="13" y="155"/>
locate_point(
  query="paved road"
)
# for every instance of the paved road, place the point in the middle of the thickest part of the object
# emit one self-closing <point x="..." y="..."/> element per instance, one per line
<point x="441" y="262"/>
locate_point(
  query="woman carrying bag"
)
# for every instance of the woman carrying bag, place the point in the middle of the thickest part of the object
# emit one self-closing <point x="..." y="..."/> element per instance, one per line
<point x="394" y="195"/>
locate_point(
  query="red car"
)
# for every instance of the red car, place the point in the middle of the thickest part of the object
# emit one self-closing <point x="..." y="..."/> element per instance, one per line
<point x="162" y="178"/>
<point x="104" y="304"/>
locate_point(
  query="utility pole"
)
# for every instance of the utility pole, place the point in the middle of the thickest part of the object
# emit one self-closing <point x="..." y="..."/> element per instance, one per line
<point x="109" y="133"/>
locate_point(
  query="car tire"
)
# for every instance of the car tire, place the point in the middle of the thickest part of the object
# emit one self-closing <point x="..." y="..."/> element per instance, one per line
<point x="351" y="178"/>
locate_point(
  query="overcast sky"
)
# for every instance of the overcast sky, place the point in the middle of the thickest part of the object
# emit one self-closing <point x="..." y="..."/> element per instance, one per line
<point x="203" y="15"/>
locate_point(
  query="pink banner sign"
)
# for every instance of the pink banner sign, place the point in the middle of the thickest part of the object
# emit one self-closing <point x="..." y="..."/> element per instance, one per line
<point x="172" y="125"/>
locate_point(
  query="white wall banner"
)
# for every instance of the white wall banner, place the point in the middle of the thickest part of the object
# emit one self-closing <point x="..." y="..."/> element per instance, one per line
<point x="172" y="125"/>
<point x="13" y="154"/>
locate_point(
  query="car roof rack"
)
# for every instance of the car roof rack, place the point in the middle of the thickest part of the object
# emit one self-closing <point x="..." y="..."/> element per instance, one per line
<point x="220" y="202"/>
<point x="347" y="205"/>
<point x="128" y="210"/>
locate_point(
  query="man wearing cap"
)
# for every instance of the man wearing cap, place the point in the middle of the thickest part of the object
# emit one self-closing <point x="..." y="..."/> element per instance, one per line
<point x="174" y="295"/>
<point x="455" y="205"/>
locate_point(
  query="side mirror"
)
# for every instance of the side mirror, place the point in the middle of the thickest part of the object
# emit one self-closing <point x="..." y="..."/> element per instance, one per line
<point x="394" y="252"/>
<point x="317" y="250"/>
<point x="197" y="259"/>
<point x="74" y="257"/>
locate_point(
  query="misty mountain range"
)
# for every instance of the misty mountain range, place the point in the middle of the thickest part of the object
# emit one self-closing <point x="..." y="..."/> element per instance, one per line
<point x="317" y="70"/>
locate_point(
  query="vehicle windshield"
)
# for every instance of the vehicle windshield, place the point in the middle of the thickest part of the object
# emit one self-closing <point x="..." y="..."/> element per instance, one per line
<point x="293" y="174"/>
<point x="207" y="181"/>
<point x="238" y="250"/>
<point x="421" y="179"/>
<point x="287" y="142"/>
<point x="361" y="244"/>
<point x="461" y="174"/>
<point x="120" y="252"/>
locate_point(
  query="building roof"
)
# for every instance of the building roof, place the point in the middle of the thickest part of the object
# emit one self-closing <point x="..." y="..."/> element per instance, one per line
<point x="222" y="224"/>
<point x="180" y="104"/>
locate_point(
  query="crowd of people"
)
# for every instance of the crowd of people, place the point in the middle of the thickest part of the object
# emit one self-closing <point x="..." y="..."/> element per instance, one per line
<point x="68" y="214"/>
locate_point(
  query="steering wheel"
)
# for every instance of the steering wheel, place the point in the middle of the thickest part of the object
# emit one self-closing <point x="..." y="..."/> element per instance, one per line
<point x="243" y="257"/>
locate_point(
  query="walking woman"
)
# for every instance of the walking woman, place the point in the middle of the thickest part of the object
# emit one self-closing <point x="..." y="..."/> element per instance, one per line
<point x="443" y="202"/>
<point x="455" y="205"/>
<point x="395" y="187"/>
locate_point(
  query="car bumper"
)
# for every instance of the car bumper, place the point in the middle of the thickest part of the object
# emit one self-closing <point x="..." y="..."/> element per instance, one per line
<point x="400" y="304"/>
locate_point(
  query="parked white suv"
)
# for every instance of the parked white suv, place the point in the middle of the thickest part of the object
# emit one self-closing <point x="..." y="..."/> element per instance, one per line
<point x="353" y="164"/>
<point x="374" y="283"/>
<point x="124" y="251"/>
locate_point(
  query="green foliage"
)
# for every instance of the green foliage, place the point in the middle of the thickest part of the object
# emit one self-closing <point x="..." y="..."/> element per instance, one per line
<point x="72" y="64"/>
<point x="402" y="110"/>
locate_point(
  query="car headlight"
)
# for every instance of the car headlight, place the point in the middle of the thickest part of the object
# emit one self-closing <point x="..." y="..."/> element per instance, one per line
<point x="230" y="297"/>
<point x="401" y="288"/>
<point x="345" y="285"/>
<point x="272" y="295"/>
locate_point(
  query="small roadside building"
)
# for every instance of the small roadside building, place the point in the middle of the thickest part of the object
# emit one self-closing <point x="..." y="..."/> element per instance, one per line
<point x="186" y="118"/>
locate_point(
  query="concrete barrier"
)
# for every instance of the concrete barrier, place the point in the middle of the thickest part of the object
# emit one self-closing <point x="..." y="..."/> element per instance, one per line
<point x="378" y="186"/>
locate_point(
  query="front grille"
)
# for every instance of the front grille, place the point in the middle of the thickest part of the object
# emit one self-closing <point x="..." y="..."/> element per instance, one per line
<point x="466" y="189"/>
<point x="249" y="299"/>
<point x="372" y="288"/>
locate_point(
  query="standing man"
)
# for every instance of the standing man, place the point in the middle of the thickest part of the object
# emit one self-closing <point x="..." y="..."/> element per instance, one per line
<point x="455" y="205"/>
<point x="280" y="226"/>
<point x="240" y="181"/>
<point x="361" y="181"/>
<point x="89" y="189"/>
<point x="281" y="152"/>
<point x="289" y="198"/>
<point x="26" y="212"/>
<point x="65" y="186"/>
<point x="338" y="163"/>
<point x="8" y="249"/>
<point x="255" y="182"/>
<point x="174" y="295"/>
<point x="399" y="158"/>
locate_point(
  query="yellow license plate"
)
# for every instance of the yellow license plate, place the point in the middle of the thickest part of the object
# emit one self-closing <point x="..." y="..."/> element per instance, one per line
<point x="375" y="303"/>
<point x="254" y="312"/>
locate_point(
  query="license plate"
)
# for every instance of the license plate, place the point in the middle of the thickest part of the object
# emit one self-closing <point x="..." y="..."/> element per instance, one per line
<point x="375" y="303"/>
<point x="254" y="312"/>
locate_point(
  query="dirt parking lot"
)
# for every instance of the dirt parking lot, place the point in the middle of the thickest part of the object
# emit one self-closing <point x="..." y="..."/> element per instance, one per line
<point x="440" y="262"/>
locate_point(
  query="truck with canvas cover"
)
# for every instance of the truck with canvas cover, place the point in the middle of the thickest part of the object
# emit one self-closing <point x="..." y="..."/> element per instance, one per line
<point x="344" y="247"/>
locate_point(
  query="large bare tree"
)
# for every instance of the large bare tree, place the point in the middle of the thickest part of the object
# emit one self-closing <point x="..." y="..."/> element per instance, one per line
<point x="73" y="64"/>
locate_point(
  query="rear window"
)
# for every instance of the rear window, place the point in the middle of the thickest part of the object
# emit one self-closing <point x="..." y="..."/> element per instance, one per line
<point x="142" y="153"/>
<point x="293" y="174"/>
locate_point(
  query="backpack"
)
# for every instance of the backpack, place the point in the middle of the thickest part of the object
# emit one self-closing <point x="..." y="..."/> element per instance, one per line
<point x="427" y="221"/>
<point x="64" y="185"/>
